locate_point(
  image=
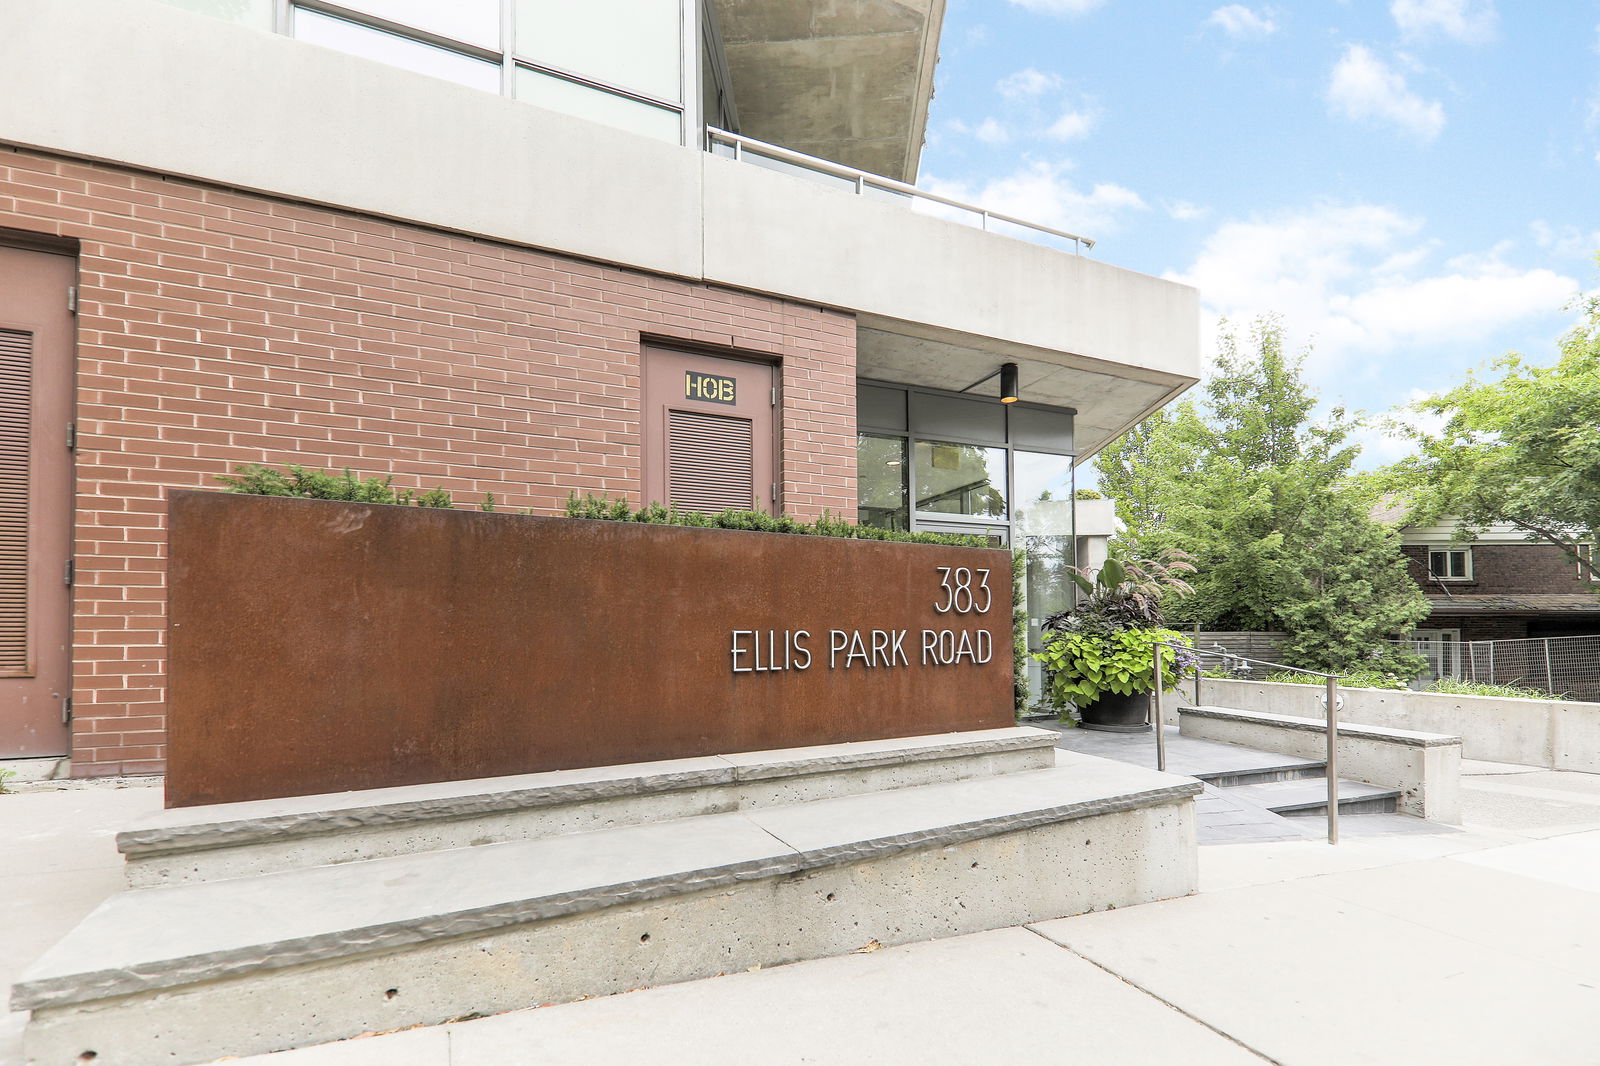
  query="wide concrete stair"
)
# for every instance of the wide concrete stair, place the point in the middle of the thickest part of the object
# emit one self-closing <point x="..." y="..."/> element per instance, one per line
<point x="285" y="923"/>
<point x="1299" y="788"/>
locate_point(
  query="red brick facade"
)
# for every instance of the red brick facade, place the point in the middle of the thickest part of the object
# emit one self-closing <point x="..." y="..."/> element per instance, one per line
<point x="1504" y="569"/>
<point x="218" y="328"/>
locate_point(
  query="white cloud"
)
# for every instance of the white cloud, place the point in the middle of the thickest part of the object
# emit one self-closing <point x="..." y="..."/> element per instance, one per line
<point x="1354" y="278"/>
<point x="1184" y="211"/>
<point x="1240" y="23"/>
<point x="1072" y="125"/>
<point x="1565" y="240"/>
<point x="1027" y="82"/>
<point x="1041" y="192"/>
<point x="1059" y="7"/>
<point x="990" y="131"/>
<point x="1468" y="21"/>
<point x="1384" y="441"/>
<point x="1363" y="87"/>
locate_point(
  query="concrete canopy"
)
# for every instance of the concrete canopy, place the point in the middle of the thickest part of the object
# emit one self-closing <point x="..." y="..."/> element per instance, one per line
<point x="1110" y="398"/>
<point x="843" y="80"/>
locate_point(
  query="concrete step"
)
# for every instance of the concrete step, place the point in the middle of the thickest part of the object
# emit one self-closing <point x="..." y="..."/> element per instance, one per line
<point x="1290" y="769"/>
<point x="188" y="973"/>
<point x="192" y="844"/>
<point x="1306" y="797"/>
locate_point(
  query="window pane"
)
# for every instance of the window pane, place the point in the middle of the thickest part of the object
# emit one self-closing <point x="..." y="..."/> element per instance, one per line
<point x="257" y="13"/>
<point x="881" y="482"/>
<point x="634" y="44"/>
<point x="962" y="479"/>
<point x="1044" y="493"/>
<point x="473" y="21"/>
<point x="396" y="51"/>
<point x="558" y="94"/>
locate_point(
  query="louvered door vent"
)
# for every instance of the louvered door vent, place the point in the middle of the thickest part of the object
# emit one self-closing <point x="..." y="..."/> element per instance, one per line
<point x="16" y="385"/>
<point x="711" y="462"/>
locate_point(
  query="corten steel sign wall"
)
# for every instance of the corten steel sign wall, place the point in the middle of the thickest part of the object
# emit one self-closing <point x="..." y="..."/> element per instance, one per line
<point x="317" y="647"/>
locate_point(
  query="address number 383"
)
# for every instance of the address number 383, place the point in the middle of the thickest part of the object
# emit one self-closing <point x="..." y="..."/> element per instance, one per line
<point x="963" y="591"/>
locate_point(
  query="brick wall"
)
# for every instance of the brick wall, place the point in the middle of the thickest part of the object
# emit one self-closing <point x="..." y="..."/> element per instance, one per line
<point x="219" y="328"/>
<point x="1506" y="569"/>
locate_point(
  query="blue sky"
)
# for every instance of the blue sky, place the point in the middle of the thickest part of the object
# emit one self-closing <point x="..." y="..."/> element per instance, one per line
<point x="1414" y="185"/>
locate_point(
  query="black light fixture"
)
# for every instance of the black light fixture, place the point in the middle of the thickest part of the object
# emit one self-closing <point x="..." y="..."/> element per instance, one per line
<point x="1008" y="382"/>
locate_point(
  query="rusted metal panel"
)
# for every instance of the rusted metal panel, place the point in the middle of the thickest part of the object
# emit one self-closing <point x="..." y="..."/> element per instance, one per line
<point x="317" y="647"/>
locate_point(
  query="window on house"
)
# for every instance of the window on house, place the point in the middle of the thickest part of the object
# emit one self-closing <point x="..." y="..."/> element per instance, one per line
<point x="1588" y="554"/>
<point x="1450" y="565"/>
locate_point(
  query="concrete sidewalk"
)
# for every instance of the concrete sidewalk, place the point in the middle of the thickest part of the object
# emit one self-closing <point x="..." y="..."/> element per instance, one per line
<point x="1474" y="946"/>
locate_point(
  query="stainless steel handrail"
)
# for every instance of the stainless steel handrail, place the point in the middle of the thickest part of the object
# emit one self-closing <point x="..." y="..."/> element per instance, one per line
<point x="1330" y="696"/>
<point x="863" y="181"/>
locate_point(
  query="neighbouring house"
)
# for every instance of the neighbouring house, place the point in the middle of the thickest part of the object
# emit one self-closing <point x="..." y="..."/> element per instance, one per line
<point x="1497" y="586"/>
<point x="661" y="249"/>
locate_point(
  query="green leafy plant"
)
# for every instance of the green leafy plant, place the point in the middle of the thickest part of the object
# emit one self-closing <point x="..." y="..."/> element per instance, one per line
<point x="1456" y="686"/>
<point x="1358" y="679"/>
<point x="257" y="480"/>
<point x="1127" y="594"/>
<point x="605" y="509"/>
<point x="4" y="776"/>
<point x="1083" y="666"/>
<point x="1106" y="643"/>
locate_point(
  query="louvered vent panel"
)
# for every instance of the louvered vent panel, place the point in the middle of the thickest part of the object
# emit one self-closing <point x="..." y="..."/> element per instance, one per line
<point x="16" y="382"/>
<point x="712" y="462"/>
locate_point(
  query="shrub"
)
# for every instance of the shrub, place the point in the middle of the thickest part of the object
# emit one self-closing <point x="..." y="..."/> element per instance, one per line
<point x="1456" y="686"/>
<point x="256" y="480"/>
<point x="1083" y="666"/>
<point x="1359" y="679"/>
<point x="605" y="509"/>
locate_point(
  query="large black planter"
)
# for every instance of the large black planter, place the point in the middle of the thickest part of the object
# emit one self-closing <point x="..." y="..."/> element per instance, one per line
<point x="1117" y="714"/>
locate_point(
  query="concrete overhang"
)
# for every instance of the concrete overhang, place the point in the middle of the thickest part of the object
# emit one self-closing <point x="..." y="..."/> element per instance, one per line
<point x="844" y="80"/>
<point x="1110" y="397"/>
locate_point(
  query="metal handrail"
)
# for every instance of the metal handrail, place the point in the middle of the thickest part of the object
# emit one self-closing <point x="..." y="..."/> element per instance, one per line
<point x="1330" y="697"/>
<point x="863" y="180"/>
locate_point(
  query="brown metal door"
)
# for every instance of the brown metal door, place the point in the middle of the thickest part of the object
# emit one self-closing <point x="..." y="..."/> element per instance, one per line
<point x="708" y="433"/>
<point x="35" y="502"/>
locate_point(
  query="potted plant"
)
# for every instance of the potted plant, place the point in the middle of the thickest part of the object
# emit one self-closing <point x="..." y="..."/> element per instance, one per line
<point x="1099" y="656"/>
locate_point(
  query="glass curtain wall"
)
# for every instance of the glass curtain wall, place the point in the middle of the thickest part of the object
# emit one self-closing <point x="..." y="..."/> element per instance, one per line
<point x="939" y="461"/>
<point x="617" y="62"/>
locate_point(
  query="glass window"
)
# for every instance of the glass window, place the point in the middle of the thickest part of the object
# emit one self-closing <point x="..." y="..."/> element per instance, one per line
<point x="596" y="105"/>
<point x="960" y="479"/>
<point x="958" y="416"/>
<point x="473" y="21"/>
<point x="881" y="482"/>
<point x="396" y="51"/>
<point x="1450" y="565"/>
<point x="1033" y="427"/>
<point x="634" y="44"/>
<point x="1044" y="493"/>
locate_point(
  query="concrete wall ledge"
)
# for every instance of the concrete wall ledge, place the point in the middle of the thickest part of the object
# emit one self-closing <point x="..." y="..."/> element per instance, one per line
<point x="186" y="973"/>
<point x="1557" y="734"/>
<point x="1319" y="726"/>
<point x="1425" y="767"/>
<point x="188" y="844"/>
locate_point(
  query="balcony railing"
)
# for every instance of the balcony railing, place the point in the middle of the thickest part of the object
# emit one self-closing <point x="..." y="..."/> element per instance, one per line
<point x="849" y="179"/>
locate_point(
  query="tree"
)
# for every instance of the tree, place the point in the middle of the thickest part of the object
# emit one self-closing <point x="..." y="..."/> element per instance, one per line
<point x="1523" y="449"/>
<point x="1262" y="496"/>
